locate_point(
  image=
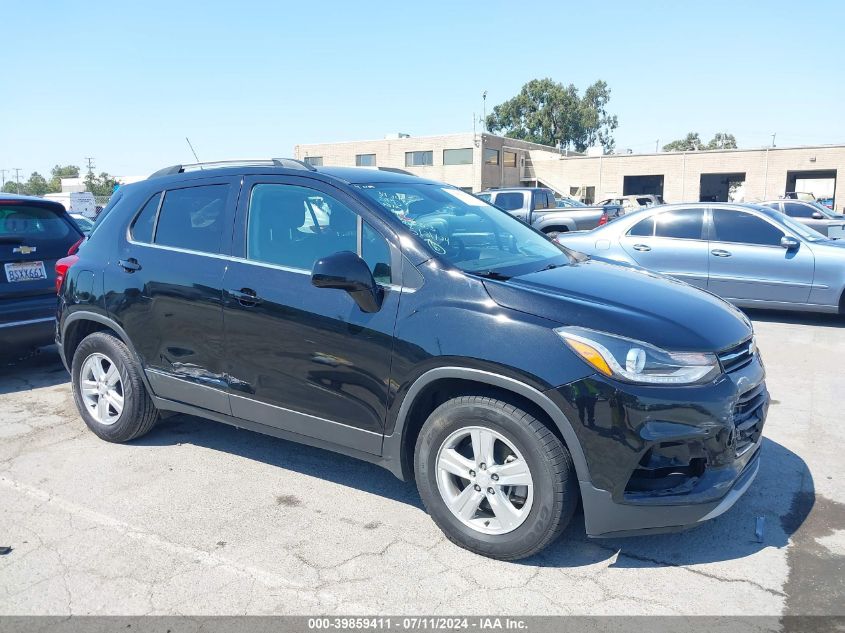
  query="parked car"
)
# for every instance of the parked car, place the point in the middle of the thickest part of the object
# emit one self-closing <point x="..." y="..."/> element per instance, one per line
<point x="751" y="255"/>
<point x="633" y="203"/>
<point x="799" y="195"/>
<point x="826" y="202"/>
<point x="813" y="214"/>
<point x="34" y="233"/>
<point x="612" y="210"/>
<point x="84" y="223"/>
<point x="537" y="206"/>
<point x="419" y="328"/>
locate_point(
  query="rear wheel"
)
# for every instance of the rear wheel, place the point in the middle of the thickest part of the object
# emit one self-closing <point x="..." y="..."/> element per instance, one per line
<point x="108" y="389"/>
<point x="494" y="478"/>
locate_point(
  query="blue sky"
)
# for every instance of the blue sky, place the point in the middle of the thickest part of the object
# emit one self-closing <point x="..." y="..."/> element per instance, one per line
<point x="125" y="82"/>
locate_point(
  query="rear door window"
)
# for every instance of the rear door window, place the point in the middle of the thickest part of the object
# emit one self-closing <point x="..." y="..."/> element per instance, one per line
<point x="193" y="218"/>
<point x="685" y="224"/>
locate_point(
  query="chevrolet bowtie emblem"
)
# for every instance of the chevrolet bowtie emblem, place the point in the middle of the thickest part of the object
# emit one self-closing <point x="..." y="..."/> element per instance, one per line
<point x="24" y="250"/>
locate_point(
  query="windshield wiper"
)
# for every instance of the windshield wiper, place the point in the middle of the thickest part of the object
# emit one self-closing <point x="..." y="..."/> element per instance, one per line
<point x="491" y="274"/>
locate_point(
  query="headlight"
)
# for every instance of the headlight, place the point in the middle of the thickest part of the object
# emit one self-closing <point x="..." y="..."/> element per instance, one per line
<point x="635" y="361"/>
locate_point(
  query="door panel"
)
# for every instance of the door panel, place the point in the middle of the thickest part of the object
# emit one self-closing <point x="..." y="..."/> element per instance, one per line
<point x="169" y="299"/>
<point x="666" y="243"/>
<point x="762" y="271"/>
<point x="302" y="358"/>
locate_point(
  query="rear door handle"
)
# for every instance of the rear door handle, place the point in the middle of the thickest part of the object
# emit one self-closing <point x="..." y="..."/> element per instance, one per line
<point x="642" y="247"/>
<point x="129" y="265"/>
<point x="718" y="252"/>
<point x="247" y="297"/>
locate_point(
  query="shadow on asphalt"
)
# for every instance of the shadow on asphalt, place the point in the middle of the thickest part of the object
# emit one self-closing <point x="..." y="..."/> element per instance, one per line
<point x="797" y="318"/>
<point x="300" y="458"/>
<point x="41" y="369"/>
<point x="783" y="494"/>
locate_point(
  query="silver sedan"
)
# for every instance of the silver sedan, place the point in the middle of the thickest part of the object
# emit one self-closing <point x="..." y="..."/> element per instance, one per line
<point x="752" y="256"/>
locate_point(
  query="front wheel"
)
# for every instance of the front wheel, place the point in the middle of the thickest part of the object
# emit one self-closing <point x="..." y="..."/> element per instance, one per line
<point x="494" y="478"/>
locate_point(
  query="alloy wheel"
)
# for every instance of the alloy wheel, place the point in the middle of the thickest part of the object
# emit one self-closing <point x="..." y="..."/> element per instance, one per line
<point x="484" y="480"/>
<point x="101" y="388"/>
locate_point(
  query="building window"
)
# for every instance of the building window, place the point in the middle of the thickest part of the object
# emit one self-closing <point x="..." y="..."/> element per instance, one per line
<point x="417" y="159"/>
<point x="315" y="161"/>
<point x="509" y="159"/>
<point x="365" y="160"/>
<point x="491" y="156"/>
<point x="457" y="156"/>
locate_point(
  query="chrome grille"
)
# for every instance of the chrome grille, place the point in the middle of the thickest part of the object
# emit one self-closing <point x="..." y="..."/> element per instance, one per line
<point x="748" y="417"/>
<point x="737" y="356"/>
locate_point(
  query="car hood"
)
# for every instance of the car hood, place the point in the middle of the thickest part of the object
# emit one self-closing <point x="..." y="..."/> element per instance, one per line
<point x="626" y="301"/>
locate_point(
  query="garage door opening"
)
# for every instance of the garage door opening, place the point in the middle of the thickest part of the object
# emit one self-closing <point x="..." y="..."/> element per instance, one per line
<point x="637" y="185"/>
<point x="722" y="187"/>
<point x="820" y="182"/>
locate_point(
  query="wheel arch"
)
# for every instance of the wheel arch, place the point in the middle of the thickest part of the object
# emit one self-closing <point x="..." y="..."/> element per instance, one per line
<point x="79" y="324"/>
<point x="443" y="383"/>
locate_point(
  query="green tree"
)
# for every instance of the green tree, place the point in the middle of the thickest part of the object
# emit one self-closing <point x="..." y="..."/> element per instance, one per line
<point x="549" y="113"/>
<point x="692" y="143"/>
<point x="62" y="171"/>
<point x="722" y="140"/>
<point x="102" y="185"/>
<point x="37" y="185"/>
<point x="11" y="187"/>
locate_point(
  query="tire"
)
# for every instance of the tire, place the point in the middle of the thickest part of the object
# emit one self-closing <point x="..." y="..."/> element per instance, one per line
<point x="137" y="415"/>
<point x="545" y="511"/>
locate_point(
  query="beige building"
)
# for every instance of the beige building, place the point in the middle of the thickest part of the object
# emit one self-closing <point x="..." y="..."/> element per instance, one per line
<point x="482" y="161"/>
<point x="471" y="161"/>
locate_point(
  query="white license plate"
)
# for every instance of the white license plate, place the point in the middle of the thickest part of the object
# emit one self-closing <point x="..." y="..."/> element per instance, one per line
<point x="25" y="271"/>
<point x="836" y="231"/>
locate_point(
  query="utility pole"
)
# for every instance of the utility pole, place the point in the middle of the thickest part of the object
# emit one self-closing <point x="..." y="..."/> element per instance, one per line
<point x="3" y="177"/>
<point x="90" y="160"/>
<point x="17" y="179"/>
<point x="484" y="99"/>
<point x="656" y="145"/>
<point x="773" y="139"/>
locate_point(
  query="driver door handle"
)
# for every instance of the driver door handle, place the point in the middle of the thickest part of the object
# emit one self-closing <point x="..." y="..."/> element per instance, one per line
<point x="245" y="296"/>
<point x="642" y="247"/>
<point x="718" y="252"/>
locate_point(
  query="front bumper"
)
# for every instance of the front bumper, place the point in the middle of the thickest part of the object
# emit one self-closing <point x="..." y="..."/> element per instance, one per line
<point x="665" y="458"/>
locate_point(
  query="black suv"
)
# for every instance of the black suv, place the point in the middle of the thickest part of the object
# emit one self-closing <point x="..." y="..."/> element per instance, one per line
<point x="410" y="324"/>
<point x="34" y="234"/>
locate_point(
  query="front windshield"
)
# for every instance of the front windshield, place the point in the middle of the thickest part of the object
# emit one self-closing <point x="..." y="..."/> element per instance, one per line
<point x="465" y="231"/>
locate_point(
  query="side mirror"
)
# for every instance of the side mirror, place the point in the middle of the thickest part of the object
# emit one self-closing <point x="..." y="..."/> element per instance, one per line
<point x="789" y="243"/>
<point x="817" y="215"/>
<point x="346" y="271"/>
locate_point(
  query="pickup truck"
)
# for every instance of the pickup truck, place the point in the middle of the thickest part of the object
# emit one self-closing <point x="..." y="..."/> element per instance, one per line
<point x="538" y="207"/>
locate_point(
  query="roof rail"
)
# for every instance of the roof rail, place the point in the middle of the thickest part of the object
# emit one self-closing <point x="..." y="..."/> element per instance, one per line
<point x="286" y="163"/>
